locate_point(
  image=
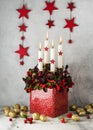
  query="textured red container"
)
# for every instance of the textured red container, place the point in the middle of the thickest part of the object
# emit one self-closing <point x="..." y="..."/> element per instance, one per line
<point x="51" y="103"/>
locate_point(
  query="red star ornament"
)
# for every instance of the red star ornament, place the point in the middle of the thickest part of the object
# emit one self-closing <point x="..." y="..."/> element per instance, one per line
<point x="71" y="6"/>
<point x="40" y="60"/>
<point x="50" y="6"/>
<point x="52" y="61"/>
<point x="23" y="12"/>
<point x="50" y="23"/>
<point x="70" y="24"/>
<point x="22" y="27"/>
<point x="22" y="51"/>
<point x="60" y="53"/>
<point x="46" y="48"/>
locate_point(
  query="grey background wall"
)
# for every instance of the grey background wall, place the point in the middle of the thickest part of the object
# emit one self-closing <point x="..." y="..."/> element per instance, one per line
<point x="79" y="55"/>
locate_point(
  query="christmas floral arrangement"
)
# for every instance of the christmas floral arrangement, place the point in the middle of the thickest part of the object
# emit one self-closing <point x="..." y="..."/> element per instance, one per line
<point x="60" y="80"/>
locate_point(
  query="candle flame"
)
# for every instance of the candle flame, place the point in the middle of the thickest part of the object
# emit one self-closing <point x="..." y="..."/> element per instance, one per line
<point x="52" y="44"/>
<point x="60" y="40"/>
<point x="40" y="46"/>
<point x="47" y="36"/>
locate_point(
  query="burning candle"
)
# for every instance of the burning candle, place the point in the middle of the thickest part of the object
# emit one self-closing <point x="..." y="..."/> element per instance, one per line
<point x="60" y="53"/>
<point x="40" y="58"/>
<point x="46" y="50"/>
<point x="52" y="58"/>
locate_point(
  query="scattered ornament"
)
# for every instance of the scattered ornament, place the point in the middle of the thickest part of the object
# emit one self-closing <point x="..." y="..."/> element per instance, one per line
<point x="36" y="116"/>
<point x="16" y="106"/>
<point x="12" y="114"/>
<point x="43" y="118"/>
<point x="6" y="108"/>
<point x="23" y="113"/>
<point x="88" y="117"/>
<point x="23" y="12"/>
<point x="24" y="108"/>
<point x="63" y="120"/>
<point x="73" y="107"/>
<point x="10" y="119"/>
<point x="6" y="112"/>
<point x="82" y="113"/>
<point x="69" y="115"/>
<point x="79" y="109"/>
<point x="16" y="110"/>
<point x="75" y="117"/>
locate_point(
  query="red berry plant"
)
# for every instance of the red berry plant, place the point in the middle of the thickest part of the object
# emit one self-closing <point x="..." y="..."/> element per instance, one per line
<point x="60" y="80"/>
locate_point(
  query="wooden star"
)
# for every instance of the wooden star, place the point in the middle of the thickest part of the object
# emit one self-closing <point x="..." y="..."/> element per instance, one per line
<point x="22" y="51"/>
<point x="23" y="12"/>
<point x="50" y="23"/>
<point x="40" y="59"/>
<point x="70" y="24"/>
<point x="22" y="27"/>
<point x="71" y="6"/>
<point x="52" y="61"/>
<point x="50" y="6"/>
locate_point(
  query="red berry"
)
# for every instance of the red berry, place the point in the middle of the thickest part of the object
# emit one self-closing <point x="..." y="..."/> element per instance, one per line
<point x="69" y="115"/>
<point x="30" y="122"/>
<point x="63" y="120"/>
<point x="10" y="119"/>
<point x="88" y="117"/>
<point x="25" y="121"/>
<point x="29" y="118"/>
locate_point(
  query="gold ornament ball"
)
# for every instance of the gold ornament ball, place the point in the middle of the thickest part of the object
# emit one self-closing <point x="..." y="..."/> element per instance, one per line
<point x="6" y="108"/>
<point x="43" y="118"/>
<point x="17" y="110"/>
<point x="6" y="112"/>
<point x="73" y="107"/>
<point x="16" y="106"/>
<point x="12" y="114"/>
<point x="88" y="107"/>
<point x="75" y="117"/>
<point x="24" y="108"/>
<point x="91" y="105"/>
<point x="23" y="113"/>
<point x="82" y="113"/>
<point x="90" y="111"/>
<point x="79" y="109"/>
<point x="36" y="116"/>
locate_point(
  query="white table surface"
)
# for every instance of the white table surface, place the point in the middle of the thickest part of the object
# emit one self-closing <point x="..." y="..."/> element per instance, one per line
<point x="50" y="124"/>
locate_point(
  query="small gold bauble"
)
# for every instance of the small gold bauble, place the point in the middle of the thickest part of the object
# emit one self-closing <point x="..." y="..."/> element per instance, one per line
<point x="75" y="117"/>
<point x="24" y="108"/>
<point x="17" y="110"/>
<point x="43" y="118"/>
<point x="12" y="114"/>
<point x="23" y="113"/>
<point x="82" y="113"/>
<point x="91" y="105"/>
<point x="6" y="108"/>
<point x="73" y="107"/>
<point x="79" y="109"/>
<point x="88" y="107"/>
<point x="36" y="116"/>
<point x="6" y="112"/>
<point x="90" y="111"/>
<point x="16" y="106"/>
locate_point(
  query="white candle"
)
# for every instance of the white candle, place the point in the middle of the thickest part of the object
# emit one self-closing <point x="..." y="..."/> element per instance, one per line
<point x="46" y="50"/>
<point x="60" y="53"/>
<point x="52" y="58"/>
<point x="40" y="58"/>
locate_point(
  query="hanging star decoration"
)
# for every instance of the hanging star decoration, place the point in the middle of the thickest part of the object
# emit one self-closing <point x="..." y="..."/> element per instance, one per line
<point x="71" y="6"/>
<point x="22" y="51"/>
<point x="23" y="12"/>
<point x="70" y="24"/>
<point x="50" y="23"/>
<point x="52" y="61"/>
<point x="50" y="6"/>
<point x="22" y="27"/>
